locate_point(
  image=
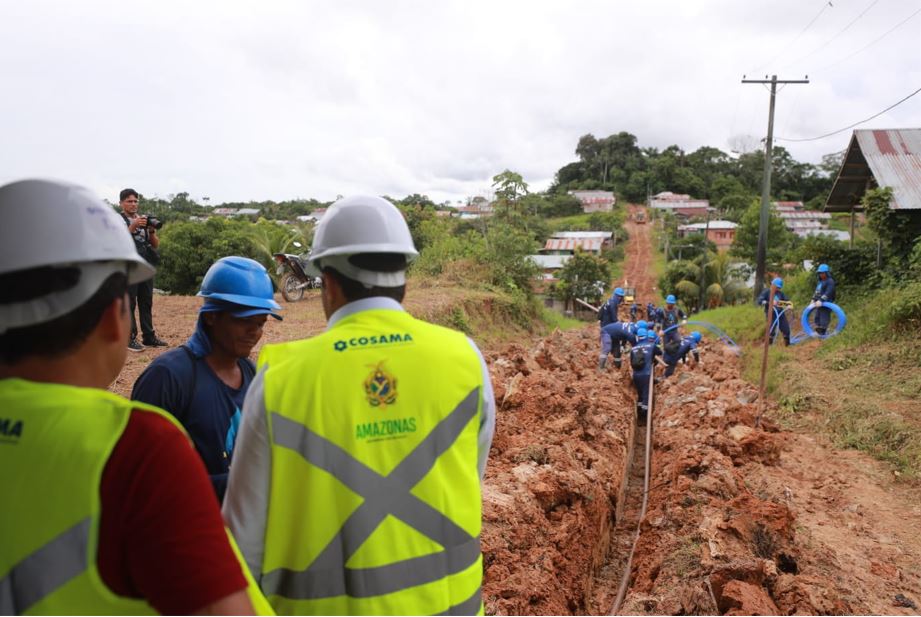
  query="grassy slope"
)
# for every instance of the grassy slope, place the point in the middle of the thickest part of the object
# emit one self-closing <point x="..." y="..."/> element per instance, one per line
<point x="863" y="388"/>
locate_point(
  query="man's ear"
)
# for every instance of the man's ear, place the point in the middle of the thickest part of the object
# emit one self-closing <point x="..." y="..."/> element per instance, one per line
<point x="114" y="320"/>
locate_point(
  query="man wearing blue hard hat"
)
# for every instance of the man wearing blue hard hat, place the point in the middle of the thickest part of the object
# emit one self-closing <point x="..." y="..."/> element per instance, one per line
<point x="608" y="314"/>
<point x="779" y="318"/>
<point x="667" y="317"/>
<point x="203" y="383"/>
<point x="824" y="292"/>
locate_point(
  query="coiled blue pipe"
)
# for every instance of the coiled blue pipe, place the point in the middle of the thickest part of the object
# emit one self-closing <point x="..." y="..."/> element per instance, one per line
<point x="839" y="313"/>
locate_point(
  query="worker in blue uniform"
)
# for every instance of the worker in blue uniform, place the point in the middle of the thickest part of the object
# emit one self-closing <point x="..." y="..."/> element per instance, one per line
<point x="203" y="383"/>
<point x="779" y="315"/>
<point x="620" y="332"/>
<point x="667" y="317"/>
<point x="634" y="309"/>
<point x="824" y="292"/>
<point x="607" y="314"/>
<point x="650" y="311"/>
<point x="642" y="361"/>
<point x="688" y="345"/>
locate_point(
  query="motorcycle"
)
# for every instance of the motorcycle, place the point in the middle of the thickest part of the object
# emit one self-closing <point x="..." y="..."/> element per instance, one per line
<point x="294" y="279"/>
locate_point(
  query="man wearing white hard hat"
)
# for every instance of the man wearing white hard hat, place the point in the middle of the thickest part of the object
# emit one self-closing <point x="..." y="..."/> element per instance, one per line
<point x="108" y="509"/>
<point x="356" y="481"/>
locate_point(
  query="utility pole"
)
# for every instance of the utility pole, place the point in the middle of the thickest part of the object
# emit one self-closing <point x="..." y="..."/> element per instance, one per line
<point x="766" y="184"/>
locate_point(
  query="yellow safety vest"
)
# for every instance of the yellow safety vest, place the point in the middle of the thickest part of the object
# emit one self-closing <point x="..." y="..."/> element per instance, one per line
<point x="55" y="441"/>
<point x="375" y="503"/>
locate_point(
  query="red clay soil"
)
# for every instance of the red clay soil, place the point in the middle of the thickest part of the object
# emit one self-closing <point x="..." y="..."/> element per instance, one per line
<point x="743" y="521"/>
<point x="638" y="272"/>
<point x="554" y="477"/>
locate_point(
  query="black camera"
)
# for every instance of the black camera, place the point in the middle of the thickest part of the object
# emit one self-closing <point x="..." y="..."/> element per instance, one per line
<point x="154" y="222"/>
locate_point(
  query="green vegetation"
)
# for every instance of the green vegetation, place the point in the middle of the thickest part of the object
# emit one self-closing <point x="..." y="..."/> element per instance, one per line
<point x="863" y="388"/>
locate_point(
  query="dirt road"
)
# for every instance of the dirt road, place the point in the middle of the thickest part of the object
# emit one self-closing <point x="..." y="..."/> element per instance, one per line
<point x="638" y="270"/>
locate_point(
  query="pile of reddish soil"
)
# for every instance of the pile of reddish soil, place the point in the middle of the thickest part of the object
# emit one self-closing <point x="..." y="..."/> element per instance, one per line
<point x="724" y="533"/>
<point x="555" y="474"/>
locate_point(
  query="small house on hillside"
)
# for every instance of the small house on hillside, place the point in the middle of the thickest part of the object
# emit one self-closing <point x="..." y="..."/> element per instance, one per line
<point x="720" y="233"/>
<point x="550" y="265"/>
<point x="566" y="242"/>
<point x="875" y="158"/>
<point x="680" y="205"/>
<point x="595" y="201"/>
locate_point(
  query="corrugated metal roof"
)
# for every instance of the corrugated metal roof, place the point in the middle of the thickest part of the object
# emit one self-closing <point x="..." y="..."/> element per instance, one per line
<point x="571" y="244"/>
<point x="886" y="157"/>
<point x="804" y="215"/>
<point x="550" y="262"/>
<point x="713" y="225"/>
<point x="583" y="234"/>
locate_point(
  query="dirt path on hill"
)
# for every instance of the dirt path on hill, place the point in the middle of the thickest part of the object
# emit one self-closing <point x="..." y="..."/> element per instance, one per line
<point x="638" y="258"/>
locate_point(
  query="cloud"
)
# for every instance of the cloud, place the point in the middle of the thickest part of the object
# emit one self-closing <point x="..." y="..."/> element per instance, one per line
<point x="239" y="101"/>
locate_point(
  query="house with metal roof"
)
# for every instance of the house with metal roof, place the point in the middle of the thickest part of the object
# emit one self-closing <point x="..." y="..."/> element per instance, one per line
<point x="679" y="204"/>
<point x="595" y="201"/>
<point x="566" y="242"/>
<point x="720" y="233"/>
<point x="879" y="157"/>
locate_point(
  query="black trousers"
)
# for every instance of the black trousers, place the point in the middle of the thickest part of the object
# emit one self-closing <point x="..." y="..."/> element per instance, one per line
<point x="141" y="295"/>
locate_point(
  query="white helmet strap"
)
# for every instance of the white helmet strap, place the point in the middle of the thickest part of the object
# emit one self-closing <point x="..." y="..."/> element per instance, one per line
<point x="46" y="308"/>
<point x="370" y="278"/>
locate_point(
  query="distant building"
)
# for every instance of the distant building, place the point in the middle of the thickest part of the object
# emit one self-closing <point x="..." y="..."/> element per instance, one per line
<point x="225" y="211"/>
<point x="247" y="212"/>
<point x="313" y="217"/>
<point x="550" y="265"/>
<point x="787" y="206"/>
<point x="720" y="233"/>
<point x="679" y="204"/>
<point x="595" y="201"/>
<point x="801" y="222"/>
<point x="566" y="242"/>
<point x="231" y="212"/>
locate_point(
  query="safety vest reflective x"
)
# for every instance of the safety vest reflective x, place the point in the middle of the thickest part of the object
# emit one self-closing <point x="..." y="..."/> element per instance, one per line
<point x="57" y="440"/>
<point x="374" y="509"/>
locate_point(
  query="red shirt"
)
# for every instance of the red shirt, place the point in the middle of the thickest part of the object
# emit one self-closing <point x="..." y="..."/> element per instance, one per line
<point x="161" y="535"/>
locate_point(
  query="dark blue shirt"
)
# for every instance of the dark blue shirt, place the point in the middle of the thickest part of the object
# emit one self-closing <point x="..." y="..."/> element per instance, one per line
<point x="621" y="331"/>
<point x="687" y="344"/>
<point x="609" y="310"/>
<point x="650" y="350"/>
<point x="184" y="385"/>
<point x="825" y="290"/>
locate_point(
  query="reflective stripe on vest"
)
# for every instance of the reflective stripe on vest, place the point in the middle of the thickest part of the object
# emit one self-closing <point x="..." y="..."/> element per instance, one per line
<point x="328" y="576"/>
<point x="374" y="505"/>
<point x="46" y="570"/>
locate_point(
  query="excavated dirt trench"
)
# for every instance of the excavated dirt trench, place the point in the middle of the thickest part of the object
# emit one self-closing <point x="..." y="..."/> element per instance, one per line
<point x="740" y="520"/>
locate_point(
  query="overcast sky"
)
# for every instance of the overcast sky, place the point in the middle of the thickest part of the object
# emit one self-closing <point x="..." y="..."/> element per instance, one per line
<point x="281" y="99"/>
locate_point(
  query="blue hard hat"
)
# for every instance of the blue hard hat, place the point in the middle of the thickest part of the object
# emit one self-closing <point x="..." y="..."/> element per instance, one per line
<point x="642" y="324"/>
<point x="240" y="286"/>
<point x="618" y="292"/>
<point x="777" y="282"/>
<point x="670" y="299"/>
<point x="651" y="335"/>
<point x="641" y="333"/>
<point x="823" y="268"/>
<point x="696" y="336"/>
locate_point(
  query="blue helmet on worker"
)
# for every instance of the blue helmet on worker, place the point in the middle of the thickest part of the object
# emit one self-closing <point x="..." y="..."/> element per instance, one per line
<point x="777" y="282"/>
<point x="823" y="269"/>
<point x="696" y="336"/>
<point x="651" y="336"/>
<point x="670" y="299"/>
<point x="239" y="286"/>
<point x="618" y="291"/>
<point x="641" y="334"/>
<point x="641" y="324"/>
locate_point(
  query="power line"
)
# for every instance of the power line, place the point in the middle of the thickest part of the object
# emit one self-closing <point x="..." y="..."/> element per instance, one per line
<point x="795" y="39"/>
<point x="840" y="32"/>
<point x="871" y="43"/>
<point x="856" y="123"/>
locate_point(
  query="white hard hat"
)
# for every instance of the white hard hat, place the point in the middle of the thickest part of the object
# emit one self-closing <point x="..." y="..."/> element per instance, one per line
<point x="50" y="223"/>
<point x="362" y="224"/>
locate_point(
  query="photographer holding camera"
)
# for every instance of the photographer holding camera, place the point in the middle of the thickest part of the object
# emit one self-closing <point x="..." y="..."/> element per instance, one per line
<point x="144" y="231"/>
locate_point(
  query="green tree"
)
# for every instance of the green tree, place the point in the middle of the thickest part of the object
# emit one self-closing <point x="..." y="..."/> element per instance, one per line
<point x="745" y="245"/>
<point x="189" y="248"/>
<point x="585" y="276"/>
<point x="898" y="230"/>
